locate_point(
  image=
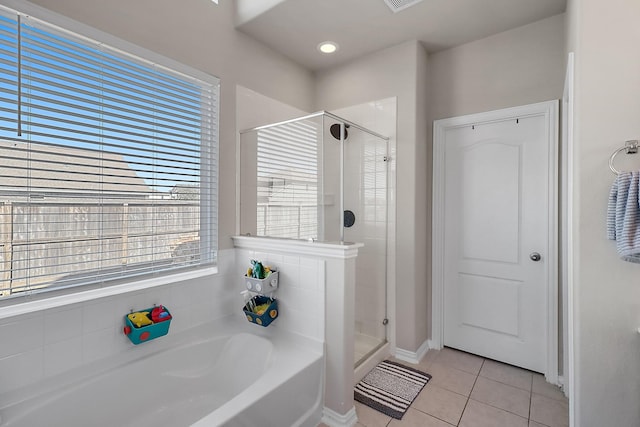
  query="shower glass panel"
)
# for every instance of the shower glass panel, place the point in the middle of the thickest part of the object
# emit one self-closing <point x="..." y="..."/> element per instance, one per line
<point x="365" y="221"/>
<point x="323" y="178"/>
<point x="281" y="180"/>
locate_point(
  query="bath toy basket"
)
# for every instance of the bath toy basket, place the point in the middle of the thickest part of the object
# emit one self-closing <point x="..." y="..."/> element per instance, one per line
<point x="266" y="285"/>
<point x="160" y="319"/>
<point x="268" y="316"/>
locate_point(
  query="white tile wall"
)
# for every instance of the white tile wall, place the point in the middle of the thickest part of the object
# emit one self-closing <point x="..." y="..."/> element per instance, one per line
<point x="20" y="369"/>
<point x="300" y="294"/>
<point x="62" y="356"/>
<point x="40" y="345"/>
<point x="19" y="335"/>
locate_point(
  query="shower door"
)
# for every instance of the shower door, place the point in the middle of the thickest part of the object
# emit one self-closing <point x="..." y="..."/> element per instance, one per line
<point x="365" y="221"/>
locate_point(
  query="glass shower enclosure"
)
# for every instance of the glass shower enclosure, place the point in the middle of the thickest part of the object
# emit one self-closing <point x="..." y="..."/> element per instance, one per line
<point x="323" y="178"/>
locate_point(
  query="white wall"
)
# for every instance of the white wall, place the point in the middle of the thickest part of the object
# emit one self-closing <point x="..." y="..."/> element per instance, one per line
<point x="396" y="72"/>
<point x="250" y="9"/>
<point x="200" y="34"/>
<point x="517" y="67"/>
<point x="255" y="109"/>
<point x="605" y="37"/>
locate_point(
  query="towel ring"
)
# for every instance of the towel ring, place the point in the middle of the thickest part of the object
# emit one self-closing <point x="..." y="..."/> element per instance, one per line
<point x="631" y="147"/>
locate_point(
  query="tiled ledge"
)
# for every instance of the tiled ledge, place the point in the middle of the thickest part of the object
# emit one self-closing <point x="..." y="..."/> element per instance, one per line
<point x="341" y="250"/>
<point x="44" y="302"/>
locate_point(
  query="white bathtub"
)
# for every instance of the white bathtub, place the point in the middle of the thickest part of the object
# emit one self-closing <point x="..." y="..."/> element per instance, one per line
<point x="223" y="374"/>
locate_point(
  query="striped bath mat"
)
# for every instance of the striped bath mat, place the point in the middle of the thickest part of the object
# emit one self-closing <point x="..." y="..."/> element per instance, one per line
<point x="390" y="388"/>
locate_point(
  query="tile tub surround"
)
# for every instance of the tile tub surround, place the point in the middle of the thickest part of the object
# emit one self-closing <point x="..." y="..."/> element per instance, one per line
<point x="334" y="287"/>
<point x="202" y="377"/>
<point x="40" y="345"/>
<point x="470" y="391"/>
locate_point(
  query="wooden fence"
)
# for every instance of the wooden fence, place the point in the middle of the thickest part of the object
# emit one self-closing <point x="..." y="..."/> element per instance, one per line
<point x="43" y="244"/>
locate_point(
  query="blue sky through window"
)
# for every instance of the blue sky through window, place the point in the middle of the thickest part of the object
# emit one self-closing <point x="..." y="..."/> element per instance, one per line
<point x="98" y="100"/>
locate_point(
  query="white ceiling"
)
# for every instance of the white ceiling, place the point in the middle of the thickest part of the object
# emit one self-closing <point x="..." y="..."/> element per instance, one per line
<point x="295" y="27"/>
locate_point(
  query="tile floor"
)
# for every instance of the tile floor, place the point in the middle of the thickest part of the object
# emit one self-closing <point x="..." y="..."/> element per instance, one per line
<point x="470" y="391"/>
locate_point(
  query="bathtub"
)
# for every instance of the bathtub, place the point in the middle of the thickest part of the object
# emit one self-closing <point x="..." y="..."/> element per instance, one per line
<point x="224" y="374"/>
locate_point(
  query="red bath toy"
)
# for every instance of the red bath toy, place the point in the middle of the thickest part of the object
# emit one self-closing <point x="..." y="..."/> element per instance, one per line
<point x="159" y="314"/>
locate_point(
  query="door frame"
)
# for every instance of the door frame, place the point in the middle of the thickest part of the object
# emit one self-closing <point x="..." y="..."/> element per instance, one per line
<point x="549" y="110"/>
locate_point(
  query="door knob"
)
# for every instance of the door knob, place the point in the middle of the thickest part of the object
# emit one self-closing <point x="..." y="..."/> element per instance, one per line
<point x="535" y="256"/>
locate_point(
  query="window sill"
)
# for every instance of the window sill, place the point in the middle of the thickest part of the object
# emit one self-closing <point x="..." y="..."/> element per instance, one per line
<point x="21" y="308"/>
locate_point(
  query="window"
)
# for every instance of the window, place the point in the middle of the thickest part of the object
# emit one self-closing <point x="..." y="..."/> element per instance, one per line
<point x="108" y="162"/>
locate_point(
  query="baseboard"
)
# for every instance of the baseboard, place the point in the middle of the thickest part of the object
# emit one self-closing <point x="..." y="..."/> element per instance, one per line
<point x="333" y="419"/>
<point x="413" y="356"/>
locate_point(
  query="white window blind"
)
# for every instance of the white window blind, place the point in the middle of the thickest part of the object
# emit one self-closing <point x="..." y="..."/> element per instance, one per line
<point x="288" y="181"/>
<point x="108" y="162"/>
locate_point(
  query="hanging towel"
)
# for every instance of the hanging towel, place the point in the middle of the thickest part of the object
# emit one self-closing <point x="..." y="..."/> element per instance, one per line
<point x="623" y="216"/>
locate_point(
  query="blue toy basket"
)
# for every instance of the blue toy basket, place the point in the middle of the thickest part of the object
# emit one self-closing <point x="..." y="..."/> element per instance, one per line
<point x="268" y="316"/>
<point x="158" y="328"/>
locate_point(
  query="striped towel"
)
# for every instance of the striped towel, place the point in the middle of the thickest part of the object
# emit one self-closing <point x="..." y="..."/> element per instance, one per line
<point x="623" y="216"/>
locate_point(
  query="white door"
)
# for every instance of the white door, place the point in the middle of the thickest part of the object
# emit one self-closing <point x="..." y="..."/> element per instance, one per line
<point x="496" y="238"/>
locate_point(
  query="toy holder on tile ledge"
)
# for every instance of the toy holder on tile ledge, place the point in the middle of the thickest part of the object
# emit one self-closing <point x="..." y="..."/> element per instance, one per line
<point x="261" y="310"/>
<point x="259" y="281"/>
<point x="146" y="325"/>
<point x="262" y="286"/>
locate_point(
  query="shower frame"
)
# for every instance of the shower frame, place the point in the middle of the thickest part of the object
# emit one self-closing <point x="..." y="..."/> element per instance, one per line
<point x="343" y="122"/>
<point x="350" y="124"/>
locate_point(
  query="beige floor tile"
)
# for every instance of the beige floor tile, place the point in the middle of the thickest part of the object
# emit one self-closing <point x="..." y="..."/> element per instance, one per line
<point x="541" y="386"/>
<point x="503" y="396"/>
<point x="415" y="418"/>
<point x="440" y="403"/>
<point x="460" y="360"/>
<point x="451" y="379"/>
<point x="507" y="374"/>
<point x="478" y="414"/>
<point x="550" y="412"/>
<point x="370" y="417"/>
<point x="535" y="424"/>
<point x="428" y="359"/>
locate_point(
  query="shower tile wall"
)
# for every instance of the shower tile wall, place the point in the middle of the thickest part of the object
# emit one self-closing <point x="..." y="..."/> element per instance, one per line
<point x="375" y="224"/>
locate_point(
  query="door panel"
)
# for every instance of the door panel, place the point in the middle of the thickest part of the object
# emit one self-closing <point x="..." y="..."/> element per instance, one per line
<point x="496" y="214"/>
<point x="490" y="208"/>
<point x="481" y="294"/>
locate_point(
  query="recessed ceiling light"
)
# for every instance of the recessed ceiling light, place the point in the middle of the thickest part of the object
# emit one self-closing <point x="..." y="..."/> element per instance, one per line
<point x="328" y="47"/>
